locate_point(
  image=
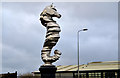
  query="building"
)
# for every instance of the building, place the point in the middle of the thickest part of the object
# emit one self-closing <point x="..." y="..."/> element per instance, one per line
<point x="109" y="69"/>
<point x="9" y="75"/>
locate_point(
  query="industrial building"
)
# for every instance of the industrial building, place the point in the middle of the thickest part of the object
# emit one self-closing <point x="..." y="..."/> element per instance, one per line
<point x="109" y="69"/>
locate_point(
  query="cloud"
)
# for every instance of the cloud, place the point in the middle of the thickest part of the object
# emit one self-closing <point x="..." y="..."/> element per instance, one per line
<point x="17" y="59"/>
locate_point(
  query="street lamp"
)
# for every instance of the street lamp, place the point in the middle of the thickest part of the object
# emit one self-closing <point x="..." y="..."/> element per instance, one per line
<point x="84" y="29"/>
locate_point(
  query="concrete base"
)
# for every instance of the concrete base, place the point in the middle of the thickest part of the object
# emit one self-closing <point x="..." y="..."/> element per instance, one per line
<point x="48" y="71"/>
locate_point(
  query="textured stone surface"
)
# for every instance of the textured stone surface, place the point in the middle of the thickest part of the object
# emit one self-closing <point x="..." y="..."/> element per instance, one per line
<point x="52" y="35"/>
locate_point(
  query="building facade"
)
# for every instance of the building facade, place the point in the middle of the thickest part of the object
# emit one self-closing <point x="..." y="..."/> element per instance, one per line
<point x="110" y="69"/>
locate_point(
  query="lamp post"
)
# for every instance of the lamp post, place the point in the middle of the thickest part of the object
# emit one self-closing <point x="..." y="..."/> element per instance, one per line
<point x="84" y="29"/>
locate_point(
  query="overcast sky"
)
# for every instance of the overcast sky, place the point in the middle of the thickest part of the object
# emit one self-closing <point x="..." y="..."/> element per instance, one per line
<point x="23" y="35"/>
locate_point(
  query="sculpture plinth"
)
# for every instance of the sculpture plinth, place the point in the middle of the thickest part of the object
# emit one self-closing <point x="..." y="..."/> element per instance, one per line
<point x="52" y="36"/>
<point x="48" y="71"/>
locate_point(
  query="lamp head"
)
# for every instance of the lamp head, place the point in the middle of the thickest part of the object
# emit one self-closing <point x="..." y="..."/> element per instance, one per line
<point x="84" y="29"/>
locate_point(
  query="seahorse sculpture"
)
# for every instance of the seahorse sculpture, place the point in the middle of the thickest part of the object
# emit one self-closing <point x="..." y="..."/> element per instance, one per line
<point x="52" y="35"/>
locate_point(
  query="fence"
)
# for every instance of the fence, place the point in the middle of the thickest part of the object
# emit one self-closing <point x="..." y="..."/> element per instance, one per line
<point x="73" y="74"/>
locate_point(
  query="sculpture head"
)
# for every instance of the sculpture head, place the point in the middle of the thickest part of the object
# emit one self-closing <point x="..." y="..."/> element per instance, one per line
<point x="51" y="11"/>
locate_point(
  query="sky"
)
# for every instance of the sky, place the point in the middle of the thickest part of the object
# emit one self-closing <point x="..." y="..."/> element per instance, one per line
<point x="23" y="34"/>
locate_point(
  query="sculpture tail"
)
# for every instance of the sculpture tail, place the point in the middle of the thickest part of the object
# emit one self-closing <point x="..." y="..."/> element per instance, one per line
<point x="47" y="58"/>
